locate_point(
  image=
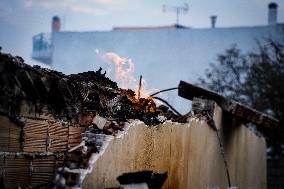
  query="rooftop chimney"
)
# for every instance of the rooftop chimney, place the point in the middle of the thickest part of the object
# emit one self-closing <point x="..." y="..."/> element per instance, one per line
<point x="56" y="24"/>
<point x="272" y="13"/>
<point x="213" y="21"/>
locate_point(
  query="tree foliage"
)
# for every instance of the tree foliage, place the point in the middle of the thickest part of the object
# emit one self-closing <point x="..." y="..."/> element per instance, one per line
<point x="265" y="80"/>
<point x="228" y="75"/>
<point x="254" y="78"/>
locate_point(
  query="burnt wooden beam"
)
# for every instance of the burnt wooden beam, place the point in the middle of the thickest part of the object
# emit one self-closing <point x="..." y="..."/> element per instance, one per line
<point x="189" y="91"/>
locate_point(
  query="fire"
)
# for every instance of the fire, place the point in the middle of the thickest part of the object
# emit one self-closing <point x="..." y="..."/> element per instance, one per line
<point x="124" y="71"/>
<point x="144" y="90"/>
<point x="123" y="68"/>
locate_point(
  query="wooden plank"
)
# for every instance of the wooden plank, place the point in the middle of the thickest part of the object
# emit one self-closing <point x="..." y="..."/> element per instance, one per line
<point x="9" y="135"/>
<point x="58" y="129"/>
<point x="75" y="135"/>
<point x="189" y="91"/>
<point x="35" y="125"/>
<point x="24" y="171"/>
<point x="35" y="132"/>
<point x="43" y="170"/>
<point x="58" y="133"/>
<point x="17" y="171"/>
<point x="4" y="133"/>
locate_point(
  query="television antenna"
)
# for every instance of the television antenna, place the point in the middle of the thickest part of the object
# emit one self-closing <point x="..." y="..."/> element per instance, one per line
<point x="177" y="9"/>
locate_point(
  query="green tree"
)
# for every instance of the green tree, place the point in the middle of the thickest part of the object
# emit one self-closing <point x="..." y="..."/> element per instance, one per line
<point x="254" y="78"/>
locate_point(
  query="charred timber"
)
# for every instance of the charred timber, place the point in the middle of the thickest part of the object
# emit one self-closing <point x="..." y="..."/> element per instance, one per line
<point x="33" y="91"/>
<point x="189" y="91"/>
<point x="52" y="125"/>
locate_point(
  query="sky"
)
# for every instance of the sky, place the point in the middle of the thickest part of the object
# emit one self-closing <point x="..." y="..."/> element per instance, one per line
<point x="21" y="19"/>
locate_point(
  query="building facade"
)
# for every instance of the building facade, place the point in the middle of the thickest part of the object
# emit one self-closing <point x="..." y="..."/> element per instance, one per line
<point x="162" y="55"/>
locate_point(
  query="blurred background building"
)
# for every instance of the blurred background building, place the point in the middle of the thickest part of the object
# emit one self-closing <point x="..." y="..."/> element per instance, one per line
<point x="163" y="55"/>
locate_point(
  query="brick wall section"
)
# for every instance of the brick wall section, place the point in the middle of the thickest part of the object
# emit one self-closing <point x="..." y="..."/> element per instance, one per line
<point x="275" y="173"/>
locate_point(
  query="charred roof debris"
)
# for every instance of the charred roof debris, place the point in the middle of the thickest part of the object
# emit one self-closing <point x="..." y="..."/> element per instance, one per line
<point x="55" y="126"/>
<point x="69" y="98"/>
<point x="62" y="121"/>
<point x="264" y="123"/>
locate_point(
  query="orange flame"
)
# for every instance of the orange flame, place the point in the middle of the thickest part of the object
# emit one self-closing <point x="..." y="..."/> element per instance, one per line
<point x="145" y="91"/>
<point x="124" y="70"/>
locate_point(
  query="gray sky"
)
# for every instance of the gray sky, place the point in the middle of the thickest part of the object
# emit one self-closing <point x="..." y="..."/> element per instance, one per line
<point x="21" y="19"/>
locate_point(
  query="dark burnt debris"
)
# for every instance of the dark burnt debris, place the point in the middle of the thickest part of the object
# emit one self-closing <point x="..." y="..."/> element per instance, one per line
<point x="53" y="125"/>
<point x="139" y="179"/>
<point x="73" y="98"/>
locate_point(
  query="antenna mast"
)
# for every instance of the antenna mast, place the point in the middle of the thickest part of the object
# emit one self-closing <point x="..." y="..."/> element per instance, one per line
<point x="177" y="9"/>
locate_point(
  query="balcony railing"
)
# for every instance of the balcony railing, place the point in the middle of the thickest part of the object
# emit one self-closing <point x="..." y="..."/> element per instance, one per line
<point x="42" y="48"/>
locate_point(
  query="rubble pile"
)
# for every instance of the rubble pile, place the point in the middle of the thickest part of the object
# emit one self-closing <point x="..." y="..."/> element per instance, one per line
<point x="69" y="97"/>
<point x="54" y="126"/>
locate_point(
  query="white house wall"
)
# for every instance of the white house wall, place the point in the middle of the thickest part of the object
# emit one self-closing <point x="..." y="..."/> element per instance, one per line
<point x="162" y="56"/>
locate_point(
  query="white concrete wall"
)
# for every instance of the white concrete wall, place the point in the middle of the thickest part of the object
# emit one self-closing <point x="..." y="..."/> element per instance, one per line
<point x="162" y="56"/>
<point x="189" y="153"/>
